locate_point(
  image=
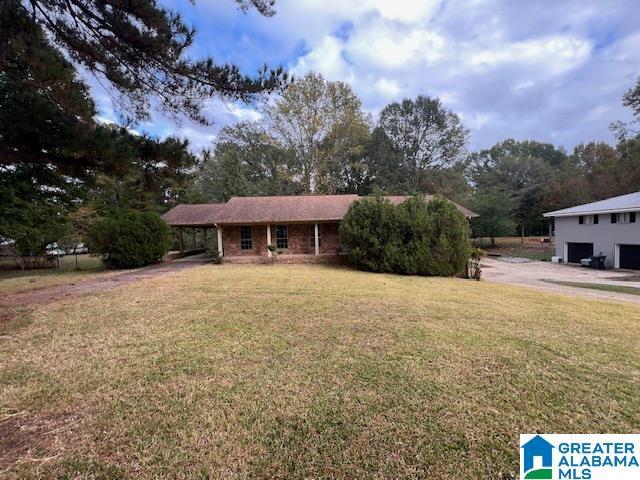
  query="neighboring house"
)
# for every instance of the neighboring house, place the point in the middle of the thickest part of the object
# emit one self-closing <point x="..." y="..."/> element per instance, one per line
<point x="609" y="227"/>
<point x="304" y="228"/>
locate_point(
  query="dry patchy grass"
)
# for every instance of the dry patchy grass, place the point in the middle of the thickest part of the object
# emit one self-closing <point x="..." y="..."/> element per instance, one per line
<point x="513" y="247"/>
<point x="309" y="372"/>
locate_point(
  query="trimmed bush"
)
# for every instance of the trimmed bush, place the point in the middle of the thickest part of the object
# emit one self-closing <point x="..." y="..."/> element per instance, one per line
<point x="130" y="240"/>
<point x="414" y="238"/>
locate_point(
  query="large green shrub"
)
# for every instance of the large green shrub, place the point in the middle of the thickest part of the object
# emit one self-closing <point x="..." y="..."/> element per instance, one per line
<point x="130" y="240"/>
<point x="415" y="237"/>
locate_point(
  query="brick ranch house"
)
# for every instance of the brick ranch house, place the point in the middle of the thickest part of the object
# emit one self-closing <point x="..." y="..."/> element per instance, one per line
<point x="304" y="228"/>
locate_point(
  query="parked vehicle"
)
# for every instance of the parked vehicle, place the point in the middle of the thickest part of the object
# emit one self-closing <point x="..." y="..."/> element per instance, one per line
<point x="79" y="249"/>
<point x="54" y="250"/>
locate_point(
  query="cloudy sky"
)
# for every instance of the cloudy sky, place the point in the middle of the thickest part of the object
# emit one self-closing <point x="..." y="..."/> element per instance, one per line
<point x="547" y="70"/>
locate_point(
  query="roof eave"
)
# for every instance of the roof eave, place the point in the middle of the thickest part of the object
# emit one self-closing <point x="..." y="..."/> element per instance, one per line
<point x="274" y="222"/>
<point x="560" y="213"/>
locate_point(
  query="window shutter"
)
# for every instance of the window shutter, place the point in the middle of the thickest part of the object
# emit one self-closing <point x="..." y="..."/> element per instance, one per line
<point x="632" y="217"/>
<point x="614" y="218"/>
<point x="595" y="219"/>
<point x="580" y="219"/>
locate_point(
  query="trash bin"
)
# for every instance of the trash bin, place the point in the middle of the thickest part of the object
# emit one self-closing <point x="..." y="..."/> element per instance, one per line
<point x="597" y="261"/>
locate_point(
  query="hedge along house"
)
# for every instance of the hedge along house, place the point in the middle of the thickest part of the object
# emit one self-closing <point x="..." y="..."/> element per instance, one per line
<point x="609" y="227"/>
<point x="303" y="228"/>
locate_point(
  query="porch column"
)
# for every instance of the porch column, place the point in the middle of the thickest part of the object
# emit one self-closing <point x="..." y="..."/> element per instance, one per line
<point x="316" y="239"/>
<point x="219" y="230"/>
<point x="204" y="236"/>
<point x="268" y="240"/>
<point x="195" y="242"/>
<point x="180" y="240"/>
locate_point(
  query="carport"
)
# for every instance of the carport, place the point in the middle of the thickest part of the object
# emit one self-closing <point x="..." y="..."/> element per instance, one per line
<point x="197" y="222"/>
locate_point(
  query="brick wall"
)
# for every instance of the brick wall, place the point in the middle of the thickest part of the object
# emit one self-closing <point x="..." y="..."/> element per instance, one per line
<point x="231" y="241"/>
<point x="299" y="235"/>
<point x="330" y="238"/>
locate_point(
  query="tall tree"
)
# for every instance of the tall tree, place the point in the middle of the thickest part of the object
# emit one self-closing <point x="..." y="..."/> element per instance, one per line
<point x="53" y="156"/>
<point x="246" y="161"/>
<point x="494" y="207"/>
<point x="629" y="130"/>
<point x="425" y="133"/>
<point x="387" y="170"/>
<point x="305" y="120"/>
<point x="158" y="174"/>
<point x="522" y="169"/>
<point x="32" y="216"/>
<point x="629" y="151"/>
<point x="345" y="169"/>
<point x="599" y="164"/>
<point x="46" y="113"/>
<point x="140" y="49"/>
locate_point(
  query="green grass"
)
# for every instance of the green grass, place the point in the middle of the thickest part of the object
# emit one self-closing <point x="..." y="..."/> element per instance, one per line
<point x="244" y="371"/>
<point x="599" y="286"/>
<point x="15" y="280"/>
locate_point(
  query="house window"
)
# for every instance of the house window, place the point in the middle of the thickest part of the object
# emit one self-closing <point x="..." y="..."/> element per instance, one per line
<point x="588" y="219"/>
<point x="282" y="237"/>
<point x="625" y="217"/>
<point x="312" y="235"/>
<point x="246" y="242"/>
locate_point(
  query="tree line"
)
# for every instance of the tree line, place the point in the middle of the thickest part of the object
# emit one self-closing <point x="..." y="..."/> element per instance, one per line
<point x="316" y="138"/>
<point x="60" y="168"/>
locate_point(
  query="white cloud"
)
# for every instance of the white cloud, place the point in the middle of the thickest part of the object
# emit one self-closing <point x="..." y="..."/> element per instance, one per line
<point x="328" y="59"/>
<point x="387" y="87"/>
<point x="406" y="10"/>
<point x="388" y="45"/>
<point x="510" y="69"/>
<point x="555" y="54"/>
<point x="244" y="113"/>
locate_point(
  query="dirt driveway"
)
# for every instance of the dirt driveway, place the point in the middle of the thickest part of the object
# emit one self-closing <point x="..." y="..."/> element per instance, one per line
<point x="533" y="274"/>
<point x="97" y="284"/>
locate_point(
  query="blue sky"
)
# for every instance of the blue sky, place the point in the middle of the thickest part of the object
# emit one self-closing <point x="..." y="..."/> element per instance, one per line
<point x="553" y="71"/>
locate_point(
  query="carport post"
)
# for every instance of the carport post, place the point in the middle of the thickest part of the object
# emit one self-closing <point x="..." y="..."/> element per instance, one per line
<point x="219" y="231"/>
<point x="195" y="242"/>
<point x="180" y="240"/>
<point x="268" y="240"/>
<point x="316" y="240"/>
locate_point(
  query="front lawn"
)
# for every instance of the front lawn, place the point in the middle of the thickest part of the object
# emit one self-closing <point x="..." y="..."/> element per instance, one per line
<point x="245" y="371"/>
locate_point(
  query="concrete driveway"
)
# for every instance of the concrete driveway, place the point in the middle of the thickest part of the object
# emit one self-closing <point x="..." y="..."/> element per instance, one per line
<point x="533" y="274"/>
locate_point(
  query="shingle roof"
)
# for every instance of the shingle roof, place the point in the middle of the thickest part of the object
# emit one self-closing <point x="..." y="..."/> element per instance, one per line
<point x="193" y="215"/>
<point x="301" y="208"/>
<point x="395" y="199"/>
<point x="624" y="203"/>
